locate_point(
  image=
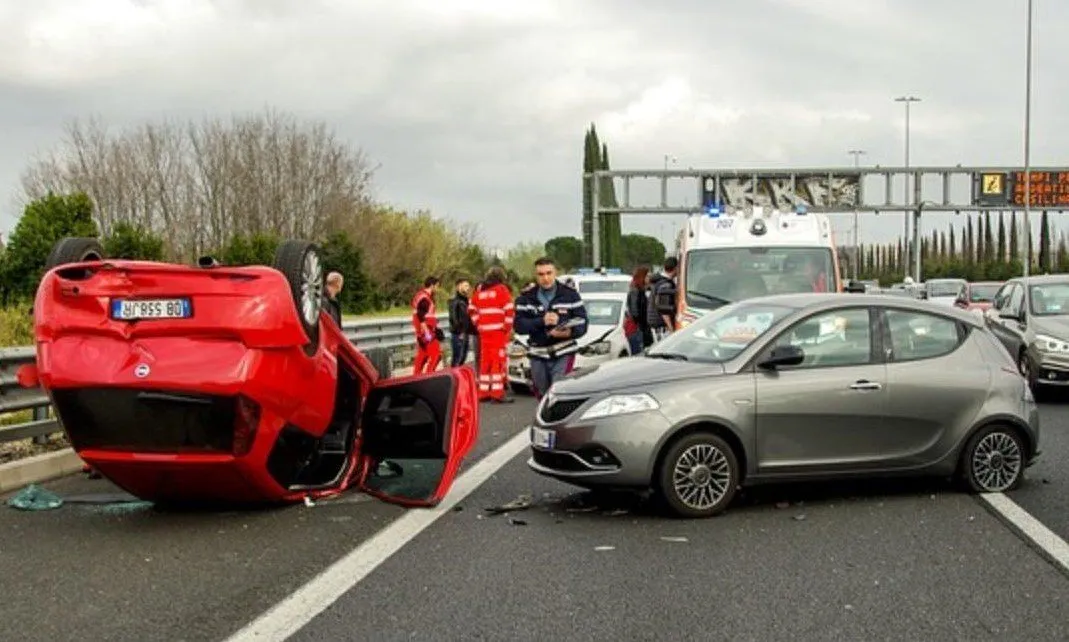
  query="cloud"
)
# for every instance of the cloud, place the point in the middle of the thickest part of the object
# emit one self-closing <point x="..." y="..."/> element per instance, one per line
<point x="476" y="109"/>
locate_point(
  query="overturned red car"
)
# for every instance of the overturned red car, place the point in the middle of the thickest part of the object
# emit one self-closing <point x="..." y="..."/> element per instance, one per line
<point x="231" y="384"/>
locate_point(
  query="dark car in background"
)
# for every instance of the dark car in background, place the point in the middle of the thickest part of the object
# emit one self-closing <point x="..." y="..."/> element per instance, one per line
<point x="794" y="387"/>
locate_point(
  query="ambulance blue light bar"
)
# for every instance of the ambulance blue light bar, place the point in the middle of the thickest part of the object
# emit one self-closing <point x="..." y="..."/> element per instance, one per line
<point x="712" y="211"/>
<point x="800" y="209"/>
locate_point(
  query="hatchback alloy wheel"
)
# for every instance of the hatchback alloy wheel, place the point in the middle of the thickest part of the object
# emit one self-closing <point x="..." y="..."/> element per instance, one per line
<point x="699" y="475"/>
<point x="994" y="460"/>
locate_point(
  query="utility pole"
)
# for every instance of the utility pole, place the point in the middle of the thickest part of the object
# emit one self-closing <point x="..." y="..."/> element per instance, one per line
<point x="906" y="209"/>
<point x="1027" y="154"/>
<point x="856" y="153"/>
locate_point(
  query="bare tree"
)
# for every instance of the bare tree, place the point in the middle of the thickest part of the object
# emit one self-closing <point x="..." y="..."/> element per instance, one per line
<point x="198" y="184"/>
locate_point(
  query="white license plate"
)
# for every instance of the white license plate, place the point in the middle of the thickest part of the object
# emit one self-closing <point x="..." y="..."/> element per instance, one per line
<point x="134" y="309"/>
<point x="543" y="438"/>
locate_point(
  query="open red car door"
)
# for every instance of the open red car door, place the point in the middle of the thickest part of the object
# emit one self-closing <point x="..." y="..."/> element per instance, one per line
<point x="415" y="433"/>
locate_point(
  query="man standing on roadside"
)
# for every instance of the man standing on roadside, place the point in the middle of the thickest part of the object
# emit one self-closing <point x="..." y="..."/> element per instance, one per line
<point x="661" y="312"/>
<point x="334" y="284"/>
<point x="459" y="322"/>
<point x="425" y="324"/>
<point x="493" y="312"/>
<point x="553" y="316"/>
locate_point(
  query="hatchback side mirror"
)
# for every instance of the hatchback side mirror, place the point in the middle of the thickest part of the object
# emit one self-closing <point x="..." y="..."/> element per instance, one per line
<point x="782" y="356"/>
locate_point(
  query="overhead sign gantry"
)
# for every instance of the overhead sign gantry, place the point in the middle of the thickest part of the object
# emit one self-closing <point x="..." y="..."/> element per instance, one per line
<point x="836" y="190"/>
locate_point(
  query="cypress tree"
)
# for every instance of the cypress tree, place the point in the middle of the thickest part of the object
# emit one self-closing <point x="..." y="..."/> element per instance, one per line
<point x="953" y="251"/>
<point x="590" y="163"/>
<point x="970" y="243"/>
<point x="989" y="240"/>
<point x="1044" y="244"/>
<point x="610" y="231"/>
<point x="1001" y="238"/>
<point x="1015" y="245"/>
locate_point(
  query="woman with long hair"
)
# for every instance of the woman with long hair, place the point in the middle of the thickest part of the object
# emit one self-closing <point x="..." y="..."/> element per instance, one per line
<point x="636" y="327"/>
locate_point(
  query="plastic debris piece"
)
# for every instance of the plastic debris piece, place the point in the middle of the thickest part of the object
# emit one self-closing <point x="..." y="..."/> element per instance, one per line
<point x="604" y="548"/>
<point x="799" y="518"/>
<point x="517" y="522"/>
<point x="523" y="502"/>
<point x="674" y="539"/>
<point x="33" y="497"/>
<point x="308" y="501"/>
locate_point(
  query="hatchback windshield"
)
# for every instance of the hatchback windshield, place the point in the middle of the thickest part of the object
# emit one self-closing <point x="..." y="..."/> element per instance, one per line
<point x="589" y="286"/>
<point x="1050" y="299"/>
<point x="720" y="335"/>
<point x="602" y="311"/>
<point x="944" y="288"/>
<point x="715" y="277"/>
<point x="983" y="292"/>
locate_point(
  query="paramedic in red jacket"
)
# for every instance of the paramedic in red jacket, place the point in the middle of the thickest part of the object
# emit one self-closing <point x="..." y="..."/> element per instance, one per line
<point x="425" y="324"/>
<point x="493" y="312"/>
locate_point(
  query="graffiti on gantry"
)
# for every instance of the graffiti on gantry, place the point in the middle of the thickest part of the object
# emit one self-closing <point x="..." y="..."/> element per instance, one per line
<point x="774" y="191"/>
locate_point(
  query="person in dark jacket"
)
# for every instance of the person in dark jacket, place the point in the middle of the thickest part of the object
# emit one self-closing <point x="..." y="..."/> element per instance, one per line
<point x="636" y="325"/>
<point x="460" y="326"/>
<point x="553" y="316"/>
<point x="331" y="290"/>
<point x="661" y="313"/>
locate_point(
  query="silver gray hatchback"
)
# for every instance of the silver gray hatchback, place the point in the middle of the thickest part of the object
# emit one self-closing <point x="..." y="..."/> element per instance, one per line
<point x="795" y="387"/>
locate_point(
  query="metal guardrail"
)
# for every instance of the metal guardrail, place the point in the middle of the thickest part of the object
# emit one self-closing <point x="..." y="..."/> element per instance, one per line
<point x="389" y="333"/>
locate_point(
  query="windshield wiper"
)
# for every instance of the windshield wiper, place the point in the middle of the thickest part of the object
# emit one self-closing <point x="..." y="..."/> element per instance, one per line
<point x="671" y="356"/>
<point x="708" y="297"/>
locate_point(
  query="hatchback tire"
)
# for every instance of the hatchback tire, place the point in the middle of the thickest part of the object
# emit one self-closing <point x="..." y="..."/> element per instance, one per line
<point x="698" y="476"/>
<point x="993" y="460"/>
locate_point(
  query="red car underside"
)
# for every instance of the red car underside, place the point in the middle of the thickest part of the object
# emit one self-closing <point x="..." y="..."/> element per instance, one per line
<point x="226" y="405"/>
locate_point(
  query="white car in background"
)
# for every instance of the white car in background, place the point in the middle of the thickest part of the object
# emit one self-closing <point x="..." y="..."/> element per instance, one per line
<point x="603" y="341"/>
<point x="588" y="281"/>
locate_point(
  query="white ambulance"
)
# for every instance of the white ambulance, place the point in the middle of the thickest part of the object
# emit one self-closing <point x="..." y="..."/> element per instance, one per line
<point x="730" y="256"/>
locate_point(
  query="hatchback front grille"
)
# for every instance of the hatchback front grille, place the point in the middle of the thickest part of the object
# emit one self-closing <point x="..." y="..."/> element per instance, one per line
<point x="560" y="409"/>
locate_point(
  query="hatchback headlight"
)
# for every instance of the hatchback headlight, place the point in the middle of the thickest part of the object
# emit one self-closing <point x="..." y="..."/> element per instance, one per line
<point x="1046" y="343"/>
<point x="621" y="405"/>
<point x="599" y="348"/>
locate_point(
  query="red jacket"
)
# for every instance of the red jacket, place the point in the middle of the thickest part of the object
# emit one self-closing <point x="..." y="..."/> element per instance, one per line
<point x="492" y="309"/>
<point x="423" y="311"/>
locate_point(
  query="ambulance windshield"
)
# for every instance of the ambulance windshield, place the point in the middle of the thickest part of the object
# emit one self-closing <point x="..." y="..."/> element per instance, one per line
<point x="717" y="276"/>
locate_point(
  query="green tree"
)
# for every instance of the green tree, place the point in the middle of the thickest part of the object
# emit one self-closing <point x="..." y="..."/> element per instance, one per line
<point x="639" y="249"/>
<point x="127" y="241"/>
<point x="1061" y="256"/>
<point x="44" y="222"/>
<point x="341" y="255"/>
<point x="952" y="253"/>
<point x="258" y="249"/>
<point x="611" y="242"/>
<point x="567" y="251"/>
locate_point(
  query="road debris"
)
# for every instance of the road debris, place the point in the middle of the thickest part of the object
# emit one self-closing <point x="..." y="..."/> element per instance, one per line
<point x="674" y="539"/>
<point x="799" y="517"/>
<point x="35" y="498"/>
<point x="604" y="548"/>
<point x="523" y="502"/>
<point x="517" y="522"/>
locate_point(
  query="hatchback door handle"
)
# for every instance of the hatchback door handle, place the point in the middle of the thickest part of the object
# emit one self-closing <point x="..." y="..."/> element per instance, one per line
<point x="865" y="385"/>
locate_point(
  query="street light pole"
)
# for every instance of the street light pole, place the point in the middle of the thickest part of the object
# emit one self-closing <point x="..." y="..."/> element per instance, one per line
<point x="856" y="153"/>
<point x="906" y="212"/>
<point x="1028" y="150"/>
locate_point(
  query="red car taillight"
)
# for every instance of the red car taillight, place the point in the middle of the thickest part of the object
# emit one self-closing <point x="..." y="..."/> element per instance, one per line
<point x="245" y="424"/>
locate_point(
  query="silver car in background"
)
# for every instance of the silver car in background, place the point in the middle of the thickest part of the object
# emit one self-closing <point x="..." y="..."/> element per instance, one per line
<point x="795" y="387"/>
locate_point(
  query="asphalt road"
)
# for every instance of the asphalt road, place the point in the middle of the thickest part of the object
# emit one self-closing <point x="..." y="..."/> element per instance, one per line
<point x="130" y="572"/>
<point x="826" y="562"/>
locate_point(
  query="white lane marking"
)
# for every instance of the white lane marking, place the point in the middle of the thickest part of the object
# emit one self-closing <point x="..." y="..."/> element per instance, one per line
<point x="291" y="614"/>
<point x="1030" y="528"/>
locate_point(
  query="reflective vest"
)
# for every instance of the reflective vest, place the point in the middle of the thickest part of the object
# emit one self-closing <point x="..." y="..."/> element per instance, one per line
<point x="491" y="309"/>
<point x="432" y="320"/>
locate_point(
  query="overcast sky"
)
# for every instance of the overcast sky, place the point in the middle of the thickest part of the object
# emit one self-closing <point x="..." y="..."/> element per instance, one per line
<point x="476" y="109"/>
